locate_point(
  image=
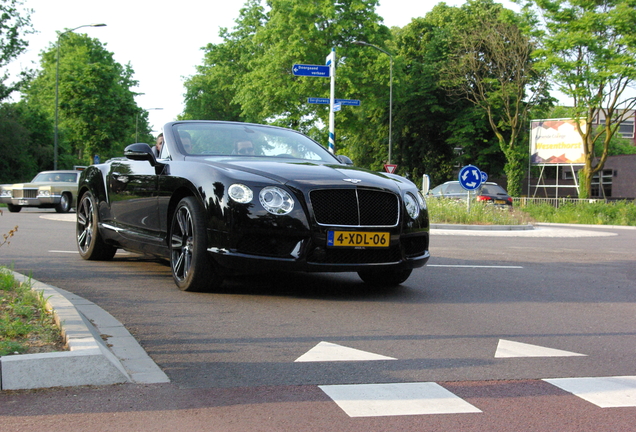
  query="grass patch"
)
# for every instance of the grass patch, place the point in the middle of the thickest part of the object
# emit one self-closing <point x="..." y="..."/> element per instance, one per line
<point x="594" y="213"/>
<point x="26" y="326"/>
<point x="451" y="211"/>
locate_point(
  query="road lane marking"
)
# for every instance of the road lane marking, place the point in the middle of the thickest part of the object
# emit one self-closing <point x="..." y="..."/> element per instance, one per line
<point x="511" y="349"/>
<point x="474" y="266"/>
<point x="330" y="352"/>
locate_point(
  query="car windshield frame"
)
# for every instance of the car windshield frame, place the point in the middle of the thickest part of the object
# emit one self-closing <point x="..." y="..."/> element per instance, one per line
<point x="56" y="177"/>
<point x="209" y="139"/>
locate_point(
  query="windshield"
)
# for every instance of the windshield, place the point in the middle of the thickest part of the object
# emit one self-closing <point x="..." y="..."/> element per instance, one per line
<point x="48" y="177"/>
<point x="493" y="190"/>
<point x="243" y="140"/>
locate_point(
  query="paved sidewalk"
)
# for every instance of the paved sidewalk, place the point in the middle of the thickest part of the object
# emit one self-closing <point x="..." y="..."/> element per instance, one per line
<point x="101" y="350"/>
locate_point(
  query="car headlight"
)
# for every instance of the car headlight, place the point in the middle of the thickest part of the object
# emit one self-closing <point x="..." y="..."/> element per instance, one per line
<point x="412" y="206"/>
<point x="421" y="200"/>
<point x="276" y="200"/>
<point x="44" y="193"/>
<point x="6" y="193"/>
<point x="240" y="193"/>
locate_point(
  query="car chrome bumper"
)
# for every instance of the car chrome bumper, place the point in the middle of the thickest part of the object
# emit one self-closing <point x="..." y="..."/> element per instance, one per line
<point x="32" y="202"/>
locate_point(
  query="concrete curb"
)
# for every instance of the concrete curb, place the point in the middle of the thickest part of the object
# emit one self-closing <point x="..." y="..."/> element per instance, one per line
<point x="483" y="227"/>
<point x="90" y="360"/>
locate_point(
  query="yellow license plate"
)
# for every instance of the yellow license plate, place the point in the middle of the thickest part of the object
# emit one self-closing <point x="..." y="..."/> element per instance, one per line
<point x="358" y="239"/>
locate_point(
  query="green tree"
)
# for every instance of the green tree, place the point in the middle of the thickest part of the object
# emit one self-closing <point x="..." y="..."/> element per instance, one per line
<point x="210" y="93"/>
<point x="248" y="76"/>
<point x="436" y="131"/>
<point x="589" y="47"/>
<point x="14" y="24"/>
<point x="97" y="110"/>
<point x="493" y="67"/>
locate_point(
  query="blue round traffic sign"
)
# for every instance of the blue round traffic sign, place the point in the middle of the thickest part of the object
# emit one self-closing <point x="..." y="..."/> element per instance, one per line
<point x="470" y="177"/>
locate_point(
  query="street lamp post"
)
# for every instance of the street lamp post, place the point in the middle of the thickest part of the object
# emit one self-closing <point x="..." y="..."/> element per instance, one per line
<point x="57" y="85"/>
<point x="137" y="121"/>
<point x="363" y="43"/>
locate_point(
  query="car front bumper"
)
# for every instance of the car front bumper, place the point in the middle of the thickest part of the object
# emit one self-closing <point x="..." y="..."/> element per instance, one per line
<point x="32" y="202"/>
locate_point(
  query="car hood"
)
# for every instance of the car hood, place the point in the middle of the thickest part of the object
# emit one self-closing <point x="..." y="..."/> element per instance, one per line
<point x="303" y="174"/>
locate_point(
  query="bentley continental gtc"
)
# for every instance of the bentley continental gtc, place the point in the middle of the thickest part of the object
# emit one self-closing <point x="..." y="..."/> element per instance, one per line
<point x="226" y="198"/>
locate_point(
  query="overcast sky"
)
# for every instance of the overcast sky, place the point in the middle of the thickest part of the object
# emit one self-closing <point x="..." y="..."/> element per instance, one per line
<point x="162" y="39"/>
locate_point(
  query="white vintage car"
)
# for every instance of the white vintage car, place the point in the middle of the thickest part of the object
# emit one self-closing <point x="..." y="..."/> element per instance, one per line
<point x="49" y="189"/>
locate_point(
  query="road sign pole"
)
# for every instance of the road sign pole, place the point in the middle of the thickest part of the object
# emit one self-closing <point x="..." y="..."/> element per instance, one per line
<point x="332" y="98"/>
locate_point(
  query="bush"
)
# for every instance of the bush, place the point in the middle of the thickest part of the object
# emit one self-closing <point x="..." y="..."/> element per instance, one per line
<point x="452" y="211"/>
<point x="594" y="213"/>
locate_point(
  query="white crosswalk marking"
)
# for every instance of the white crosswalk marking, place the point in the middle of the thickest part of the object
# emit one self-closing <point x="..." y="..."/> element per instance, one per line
<point x="376" y="400"/>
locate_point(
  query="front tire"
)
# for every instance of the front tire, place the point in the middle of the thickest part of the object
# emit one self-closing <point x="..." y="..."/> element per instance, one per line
<point x="385" y="277"/>
<point x="65" y="204"/>
<point x="14" y="208"/>
<point x="192" y="269"/>
<point x="90" y="244"/>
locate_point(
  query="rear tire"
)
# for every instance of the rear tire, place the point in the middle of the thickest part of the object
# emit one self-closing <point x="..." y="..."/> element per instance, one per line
<point x="384" y="277"/>
<point x="65" y="204"/>
<point x="90" y="244"/>
<point x="192" y="268"/>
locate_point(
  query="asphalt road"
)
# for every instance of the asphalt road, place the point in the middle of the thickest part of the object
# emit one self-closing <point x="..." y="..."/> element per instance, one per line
<point x="482" y="320"/>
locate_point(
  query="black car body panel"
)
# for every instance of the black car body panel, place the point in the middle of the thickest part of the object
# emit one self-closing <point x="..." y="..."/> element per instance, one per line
<point x="137" y="196"/>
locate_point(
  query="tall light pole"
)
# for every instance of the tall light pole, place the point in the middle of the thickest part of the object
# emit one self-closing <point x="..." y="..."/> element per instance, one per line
<point x="57" y="85"/>
<point x="363" y="43"/>
<point x="137" y="120"/>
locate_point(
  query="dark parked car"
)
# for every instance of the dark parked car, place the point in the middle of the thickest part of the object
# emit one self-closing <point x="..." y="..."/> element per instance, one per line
<point x="488" y="192"/>
<point x="48" y="189"/>
<point x="225" y="198"/>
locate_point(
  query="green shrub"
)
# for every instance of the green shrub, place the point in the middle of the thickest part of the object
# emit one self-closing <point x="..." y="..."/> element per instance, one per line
<point x="25" y="322"/>
<point x="451" y="211"/>
<point x="589" y="213"/>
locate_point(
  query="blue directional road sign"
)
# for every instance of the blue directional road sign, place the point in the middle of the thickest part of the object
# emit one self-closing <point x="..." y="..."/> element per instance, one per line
<point x="310" y="70"/>
<point x="484" y="177"/>
<point x="325" y="101"/>
<point x="470" y="177"/>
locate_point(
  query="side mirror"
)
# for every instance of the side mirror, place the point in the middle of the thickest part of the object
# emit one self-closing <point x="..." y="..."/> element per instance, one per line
<point x="426" y="184"/>
<point x="140" y="152"/>
<point x="344" y="159"/>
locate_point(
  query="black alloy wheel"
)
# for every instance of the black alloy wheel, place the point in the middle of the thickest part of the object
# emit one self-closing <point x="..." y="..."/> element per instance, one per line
<point x="90" y="244"/>
<point x="192" y="269"/>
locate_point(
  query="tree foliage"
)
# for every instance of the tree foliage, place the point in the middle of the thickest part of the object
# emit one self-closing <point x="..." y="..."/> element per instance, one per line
<point x="492" y="66"/>
<point x="589" y="47"/>
<point x="97" y="111"/>
<point x="14" y="24"/>
<point x="248" y="76"/>
<point x="436" y="130"/>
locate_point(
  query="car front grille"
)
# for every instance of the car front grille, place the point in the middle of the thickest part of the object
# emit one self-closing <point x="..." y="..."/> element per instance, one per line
<point x="25" y="193"/>
<point x="355" y="207"/>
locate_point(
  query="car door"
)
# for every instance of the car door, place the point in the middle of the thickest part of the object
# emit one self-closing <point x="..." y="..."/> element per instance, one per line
<point x="133" y="200"/>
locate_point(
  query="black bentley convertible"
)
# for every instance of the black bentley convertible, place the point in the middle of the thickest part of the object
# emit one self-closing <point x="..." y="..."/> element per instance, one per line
<point x="224" y="198"/>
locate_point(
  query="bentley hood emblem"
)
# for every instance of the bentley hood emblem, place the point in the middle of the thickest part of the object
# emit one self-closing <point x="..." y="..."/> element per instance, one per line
<point x="354" y="181"/>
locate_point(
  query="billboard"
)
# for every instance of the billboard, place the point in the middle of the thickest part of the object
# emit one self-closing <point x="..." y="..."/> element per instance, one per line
<point x="556" y="141"/>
